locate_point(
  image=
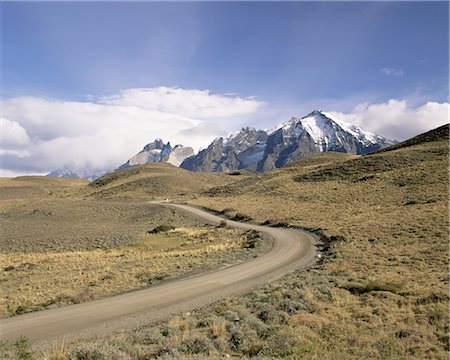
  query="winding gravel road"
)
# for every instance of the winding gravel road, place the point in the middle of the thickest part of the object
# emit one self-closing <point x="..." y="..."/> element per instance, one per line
<point x="292" y="249"/>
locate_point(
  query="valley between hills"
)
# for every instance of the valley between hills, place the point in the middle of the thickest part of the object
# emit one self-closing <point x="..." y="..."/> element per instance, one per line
<point x="379" y="289"/>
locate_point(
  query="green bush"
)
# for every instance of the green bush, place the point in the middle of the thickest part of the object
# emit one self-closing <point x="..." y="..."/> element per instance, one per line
<point x="22" y="347"/>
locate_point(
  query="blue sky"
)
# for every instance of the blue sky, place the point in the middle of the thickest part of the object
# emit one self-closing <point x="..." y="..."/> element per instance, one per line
<point x="76" y="74"/>
<point x="286" y="52"/>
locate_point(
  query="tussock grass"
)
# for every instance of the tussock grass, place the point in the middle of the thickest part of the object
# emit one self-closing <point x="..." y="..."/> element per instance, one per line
<point x="381" y="291"/>
<point x="36" y="281"/>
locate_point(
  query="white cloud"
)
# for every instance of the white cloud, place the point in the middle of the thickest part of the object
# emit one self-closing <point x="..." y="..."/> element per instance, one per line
<point x="200" y="104"/>
<point x="41" y="135"/>
<point x="396" y="119"/>
<point x="12" y="135"/>
<point x="391" y="71"/>
<point x="203" y="133"/>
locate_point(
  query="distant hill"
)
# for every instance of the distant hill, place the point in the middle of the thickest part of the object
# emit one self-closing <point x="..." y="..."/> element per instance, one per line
<point x="154" y="181"/>
<point x="331" y="166"/>
<point x="439" y="134"/>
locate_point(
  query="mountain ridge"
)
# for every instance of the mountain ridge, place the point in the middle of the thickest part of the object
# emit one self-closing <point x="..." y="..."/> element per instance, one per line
<point x="291" y="141"/>
<point x="257" y="150"/>
<point x="157" y="151"/>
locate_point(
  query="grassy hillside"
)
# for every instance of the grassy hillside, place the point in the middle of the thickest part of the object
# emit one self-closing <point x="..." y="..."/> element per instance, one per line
<point x="153" y="181"/>
<point x="380" y="291"/>
<point x="58" y="249"/>
<point x="439" y="134"/>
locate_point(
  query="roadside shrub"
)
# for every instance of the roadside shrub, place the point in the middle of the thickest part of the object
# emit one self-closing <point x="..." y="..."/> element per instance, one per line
<point x="253" y="323"/>
<point x="22" y="347"/>
<point x="282" y="341"/>
<point x="161" y="229"/>
<point x="147" y="336"/>
<point x="197" y="344"/>
<point x="290" y="306"/>
<point x="223" y="223"/>
<point x="241" y="217"/>
<point x="359" y="289"/>
<point x="253" y="238"/>
<point x="89" y="351"/>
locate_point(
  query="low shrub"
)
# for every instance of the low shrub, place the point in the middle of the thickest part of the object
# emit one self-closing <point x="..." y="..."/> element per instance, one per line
<point x="241" y="217"/>
<point x="359" y="289"/>
<point x="22" y="348"/>
<point x="148" y="336"/>
<point x="253" y="239"/>
<point x="161" y="229"/>
<point x="197" y="344"/>
<point x="90" y="351"/>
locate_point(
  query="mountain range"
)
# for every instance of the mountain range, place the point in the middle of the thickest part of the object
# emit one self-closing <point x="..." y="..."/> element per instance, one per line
<point x="260" y="150"/>
<point x="293" y="140"/>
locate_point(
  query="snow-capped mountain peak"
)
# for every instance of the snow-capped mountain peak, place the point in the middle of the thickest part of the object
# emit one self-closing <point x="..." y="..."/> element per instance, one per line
<point x="290" y="141"/>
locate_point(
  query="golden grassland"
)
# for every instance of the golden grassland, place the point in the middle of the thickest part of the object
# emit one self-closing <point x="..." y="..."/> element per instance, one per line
<point x="152" y="181"/>
<point x="391" y="220"/>
<point x="58" y="247"/>
<point x="386" y="275"/>
<point x="380" y="290"/>
<point x="36" y="281"/>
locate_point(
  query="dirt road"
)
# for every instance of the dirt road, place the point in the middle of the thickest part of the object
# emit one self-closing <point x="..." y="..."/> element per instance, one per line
<point x="292" y="249"/>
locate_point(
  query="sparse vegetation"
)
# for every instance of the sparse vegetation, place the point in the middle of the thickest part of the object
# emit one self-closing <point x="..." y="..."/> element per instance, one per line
<point x="39" y="281"/>
<point x="161" y="229"/>
<point x="381" y="291"/>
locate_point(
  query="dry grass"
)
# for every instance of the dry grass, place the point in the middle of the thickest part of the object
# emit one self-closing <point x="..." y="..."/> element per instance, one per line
<point x="381" y="291"/>
<point x="394" y="225"/>
<point x="36" y="281"/>
<point x="154" y="181"/>
<point x="61" y="246"/>
<point x="387" y="274"/>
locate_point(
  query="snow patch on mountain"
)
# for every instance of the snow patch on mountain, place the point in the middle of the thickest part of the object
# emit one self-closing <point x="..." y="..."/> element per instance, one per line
<point x="78" y="173"/>
<point x="290" y="141"/>
<point x="157" y="151"/>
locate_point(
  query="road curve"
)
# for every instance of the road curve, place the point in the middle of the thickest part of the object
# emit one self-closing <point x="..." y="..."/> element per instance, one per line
<point x="292" y="249"/>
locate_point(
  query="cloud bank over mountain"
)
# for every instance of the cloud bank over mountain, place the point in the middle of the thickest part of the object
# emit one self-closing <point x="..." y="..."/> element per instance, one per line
<point x="40" y="135"/>
<point x="396" y="119"/>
